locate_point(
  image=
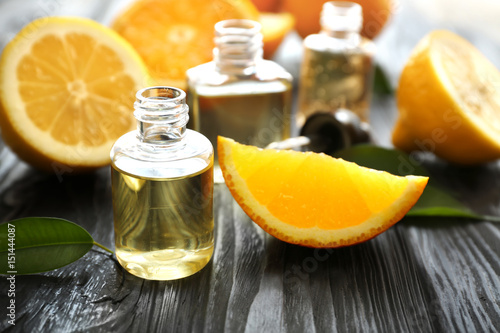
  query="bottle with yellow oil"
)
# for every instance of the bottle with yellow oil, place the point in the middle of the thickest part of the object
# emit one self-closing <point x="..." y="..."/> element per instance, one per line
<point x="162" y="189"/>
<point x="337" y="69"/>
<point x="239" y="94"/>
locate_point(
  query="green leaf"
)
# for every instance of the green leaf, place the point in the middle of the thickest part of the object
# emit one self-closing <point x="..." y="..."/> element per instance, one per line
<point x="381" y="85"/>
<point x="434" y="201"/>
<point x="390" y="160"/>
<point x="40" y="244"/>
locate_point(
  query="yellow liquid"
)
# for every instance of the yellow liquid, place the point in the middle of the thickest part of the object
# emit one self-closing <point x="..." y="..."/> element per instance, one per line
<point x="249" y="118"/>
<point x="163" y="227"/>
<point x="332" y="81"/>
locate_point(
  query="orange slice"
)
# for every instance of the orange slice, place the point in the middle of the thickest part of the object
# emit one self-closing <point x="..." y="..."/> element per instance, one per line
<point x="67" y="88"/>
<point x="275" y="26"/>
<point x="313" y="199"/>
<point x="173" y="36"/>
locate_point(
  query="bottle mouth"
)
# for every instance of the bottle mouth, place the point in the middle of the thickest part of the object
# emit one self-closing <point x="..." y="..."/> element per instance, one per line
<point x="238" y="45"/>
<point x="342" y="16"/>
<point x="161" y="104"/>
<point x="237" y="27"/>
<point x="159" y="98"/>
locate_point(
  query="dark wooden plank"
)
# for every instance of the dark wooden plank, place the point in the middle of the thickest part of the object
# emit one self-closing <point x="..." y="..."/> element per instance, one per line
<point x="423" y="275"/>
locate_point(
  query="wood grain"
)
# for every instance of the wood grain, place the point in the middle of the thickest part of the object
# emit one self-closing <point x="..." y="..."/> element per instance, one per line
<point x="422" y="275"/>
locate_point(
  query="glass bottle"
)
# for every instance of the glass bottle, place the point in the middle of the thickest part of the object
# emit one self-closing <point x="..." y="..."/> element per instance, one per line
<point x="239" y="94"/>
<point x="162" y="190"/>
<point x="337" y="68"/>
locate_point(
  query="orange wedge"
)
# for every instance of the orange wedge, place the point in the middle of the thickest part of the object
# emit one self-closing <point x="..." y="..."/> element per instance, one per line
<point x="173" y="36"/>
<point x="67" y="88"/>
<point x="313" y="199"/>
<point x="275" y="26"/>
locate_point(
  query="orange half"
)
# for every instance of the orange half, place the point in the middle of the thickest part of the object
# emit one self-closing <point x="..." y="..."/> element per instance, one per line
<point x="314" y="199"/>
<point x="172" y="36"/>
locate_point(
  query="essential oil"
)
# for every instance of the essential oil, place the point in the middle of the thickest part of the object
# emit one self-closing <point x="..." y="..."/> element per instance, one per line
<point x="162" y="189"/>
<point x="337" y="69"/>
<point x="241" y="115"/>
<point x="239" y="94"/>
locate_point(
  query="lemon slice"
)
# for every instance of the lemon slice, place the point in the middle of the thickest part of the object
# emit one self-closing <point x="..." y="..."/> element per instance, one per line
<point x="449" y="101"/>
<point x="67" y="89"/>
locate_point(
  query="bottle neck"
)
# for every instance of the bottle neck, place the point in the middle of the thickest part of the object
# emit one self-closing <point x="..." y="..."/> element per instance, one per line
<point x="238" y="46"/>
<point x="352" y="38"/>
<point x="162" y="115"/>
<point x="342" y="20"/>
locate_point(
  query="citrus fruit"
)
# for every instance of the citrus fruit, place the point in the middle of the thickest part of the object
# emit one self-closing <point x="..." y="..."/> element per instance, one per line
<point x="173" y="36"/>
<point x="448" y="101"/>
<point x="67" y="87"/>
<point x="267" y="5"/>
<point x="275" y="26"/>
<point x="314" y="199"/>
<point x="375" y="15"/>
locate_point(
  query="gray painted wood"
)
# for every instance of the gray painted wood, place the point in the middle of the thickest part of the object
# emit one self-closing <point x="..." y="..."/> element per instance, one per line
<point x="422" y="275"/>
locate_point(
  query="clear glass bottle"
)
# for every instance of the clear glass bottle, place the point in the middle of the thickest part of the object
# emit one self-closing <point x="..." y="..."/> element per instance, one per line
<point x="337" y="68"/>
<point x="162" y="189"/>
<point x="239" y="94"/>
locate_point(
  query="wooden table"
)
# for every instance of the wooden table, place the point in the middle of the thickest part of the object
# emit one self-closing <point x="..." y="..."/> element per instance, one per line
<point x="422" y="275"/>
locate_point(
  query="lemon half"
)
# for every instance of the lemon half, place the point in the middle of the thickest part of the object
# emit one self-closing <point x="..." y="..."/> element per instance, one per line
<point x="67" y="89"/>
<point x="449" y="101"/>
